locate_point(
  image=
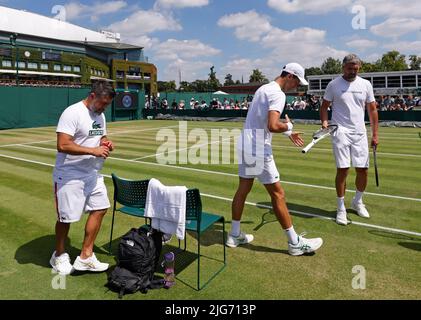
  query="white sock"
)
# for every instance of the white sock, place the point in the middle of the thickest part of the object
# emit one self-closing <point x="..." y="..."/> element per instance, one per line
<point x="358" y="196"/>
<point x="235" y="228"/>
<point x="341" y="203"/>
<point x="291" y="235"/>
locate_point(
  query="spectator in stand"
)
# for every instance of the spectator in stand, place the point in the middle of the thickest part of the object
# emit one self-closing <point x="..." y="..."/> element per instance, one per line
<point x="192" y="101"/>
<point x="225" y="103"/>
<point x="174" y="104"/>
<point x="214" y="104"/>
<point x="181" y="105"/>
<point x="164" y="104"/>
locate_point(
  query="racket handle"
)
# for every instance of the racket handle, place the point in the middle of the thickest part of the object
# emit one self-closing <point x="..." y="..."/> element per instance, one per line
<point x="308" y="147"/>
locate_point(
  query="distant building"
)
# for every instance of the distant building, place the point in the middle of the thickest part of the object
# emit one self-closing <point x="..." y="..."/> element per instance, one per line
<point x="384" y="83"/>
<point x="54" y="51"/>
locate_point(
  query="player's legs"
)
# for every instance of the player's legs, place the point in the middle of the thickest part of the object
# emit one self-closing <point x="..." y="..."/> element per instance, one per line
<point x="297" y="245"/>
<point x="340" y="181"/>
<point x="341" y="144"/>
<point x="244" y="187"/>
<point x="277" y="195"/>
<point x="360" y="160"/>
<point x="62" y="230"/>
<point x="93" y="224"/>
<point x="235" y="236"/>
<point x="97" y="205"/>
<point x="361" y="179"/>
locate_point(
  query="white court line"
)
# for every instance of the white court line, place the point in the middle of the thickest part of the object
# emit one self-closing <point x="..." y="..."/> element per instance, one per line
<point x="110" y="134"/>
<point x="255" y="204"/>
<point x="236" y="176"/>
<point x="25" y="143"/>
<point x="378" y="153"/>
<point x="177" y="150"/>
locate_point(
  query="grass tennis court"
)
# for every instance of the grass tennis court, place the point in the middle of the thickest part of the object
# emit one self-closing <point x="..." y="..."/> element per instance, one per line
<point x="388" y="245"/>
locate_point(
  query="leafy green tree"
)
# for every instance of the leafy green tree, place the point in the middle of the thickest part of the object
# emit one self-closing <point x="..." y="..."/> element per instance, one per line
<point x="392" y="61"/>
<point x="313" y="71"/>
<point x="331" y="66"/>
<point x="257" y="76"/>
<point x="228" y="80"/>
<point x="167" y="86"/>
<point x="414" y="62"/>
<point x="213" y="82"/>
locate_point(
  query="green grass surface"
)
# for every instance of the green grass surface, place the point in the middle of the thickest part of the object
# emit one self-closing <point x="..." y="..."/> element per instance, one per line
<point x="260" y="270"/>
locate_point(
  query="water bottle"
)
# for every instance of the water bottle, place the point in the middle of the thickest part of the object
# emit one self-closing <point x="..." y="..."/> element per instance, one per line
<point x="168" y="264"/>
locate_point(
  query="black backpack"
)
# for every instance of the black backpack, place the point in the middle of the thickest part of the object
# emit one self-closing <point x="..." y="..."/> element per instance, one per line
<point x="138" y="256"/>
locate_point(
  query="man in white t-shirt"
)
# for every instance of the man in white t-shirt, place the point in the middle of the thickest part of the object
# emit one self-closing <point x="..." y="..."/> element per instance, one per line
<point x="82" y="147"/>
<point x="255" y="159"/>
<point x="349" y="95"/>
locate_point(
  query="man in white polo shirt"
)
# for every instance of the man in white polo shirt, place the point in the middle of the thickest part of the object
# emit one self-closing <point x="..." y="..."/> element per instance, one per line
<point x="349" y="95"/>
<point x="82" y="147"/>
<point x="255" y="159"/>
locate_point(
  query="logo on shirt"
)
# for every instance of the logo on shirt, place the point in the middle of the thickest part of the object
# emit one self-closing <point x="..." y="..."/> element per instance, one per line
<point x="96" y="125"/>
<point x="96" y="130"/>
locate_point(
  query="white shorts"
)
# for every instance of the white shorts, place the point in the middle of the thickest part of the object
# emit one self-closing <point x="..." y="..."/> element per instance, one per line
<point x="264" y="170"/>
<point x="74" y="197"/>
<point x="349" y="147"/>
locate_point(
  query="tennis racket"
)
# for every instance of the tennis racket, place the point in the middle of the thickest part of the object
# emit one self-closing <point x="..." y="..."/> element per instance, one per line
<point x="375" y="165"/>
<point x="319" y="135"/>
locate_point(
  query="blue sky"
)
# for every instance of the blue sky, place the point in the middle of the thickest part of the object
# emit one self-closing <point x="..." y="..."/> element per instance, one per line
<point x="237" y="36"/>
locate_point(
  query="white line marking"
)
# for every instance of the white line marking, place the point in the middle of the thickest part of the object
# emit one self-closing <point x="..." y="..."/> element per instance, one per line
<point x="378" y="153"/>
<point x="200" y="145"/>
<point x="110" y="134"/>
<point x="236" y="176"/>
<point x="255" y="204"/>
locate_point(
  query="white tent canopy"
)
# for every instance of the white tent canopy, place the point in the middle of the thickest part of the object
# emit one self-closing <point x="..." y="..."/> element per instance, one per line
<point x="220" y="92"/>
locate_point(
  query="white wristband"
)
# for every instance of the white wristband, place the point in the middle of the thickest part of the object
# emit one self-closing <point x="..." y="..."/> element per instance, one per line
<point x="289" y="131"/>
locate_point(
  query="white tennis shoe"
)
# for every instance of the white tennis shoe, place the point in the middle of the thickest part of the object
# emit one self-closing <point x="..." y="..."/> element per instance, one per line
<point x="304" y="245"/>
<point x="360" y="208"/>
<point x="90" y="264"/>
<point x="61" y="264"/>
<point x="341" y="217"/>
<point x="241" y="239"/>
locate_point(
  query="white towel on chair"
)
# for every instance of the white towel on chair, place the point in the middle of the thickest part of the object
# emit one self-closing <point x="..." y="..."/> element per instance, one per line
<point x="166" y="206"/>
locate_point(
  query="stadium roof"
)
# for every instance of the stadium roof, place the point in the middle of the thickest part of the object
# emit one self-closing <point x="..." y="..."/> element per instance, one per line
<point x="28" y="23"/>
<point x="111" y="46"/>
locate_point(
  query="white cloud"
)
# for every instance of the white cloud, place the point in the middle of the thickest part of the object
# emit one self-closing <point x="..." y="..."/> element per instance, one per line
<point x="405" y="47"/>
<point x="391" y="8"/>
<point x="183" y="49"/>
<point x="306" y="6"/>
<point x="181" y="3"/>
<point x="248" y="25"/>
<point x="361" y="44"/>
<point x="306" y="46"/>
<point x="143" y="22"/>
<point x="190" y="71"/>
<point x="395" y="27"/>
<point x="77" y="11"/>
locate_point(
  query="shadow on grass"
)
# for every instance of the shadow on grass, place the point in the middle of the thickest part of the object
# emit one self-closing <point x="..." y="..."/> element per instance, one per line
<point x="39" y="251"/>
<point x="269" y="215"/>
<point x="399" y="236"/>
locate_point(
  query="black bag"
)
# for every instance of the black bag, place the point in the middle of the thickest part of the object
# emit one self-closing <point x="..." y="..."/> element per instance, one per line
<point x="138" y="255"/>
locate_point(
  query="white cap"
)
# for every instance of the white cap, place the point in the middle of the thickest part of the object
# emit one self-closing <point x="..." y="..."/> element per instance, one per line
<point x="297" y="70"/>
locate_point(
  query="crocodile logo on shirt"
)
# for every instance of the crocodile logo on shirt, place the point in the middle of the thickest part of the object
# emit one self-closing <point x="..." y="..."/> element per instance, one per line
<point x="96" y="130"/>
<point x="96" y="125"/>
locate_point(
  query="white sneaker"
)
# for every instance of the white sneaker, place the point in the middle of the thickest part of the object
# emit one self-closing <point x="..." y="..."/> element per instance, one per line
<point x="360" y="208"/>
<point x="61" y="264"/>
<point x="304" y="245"/>
<point x="90" y="264"/>
<point x="241" y="239"/>
<point x="341" y="217"/>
